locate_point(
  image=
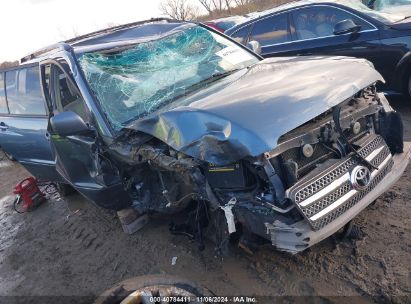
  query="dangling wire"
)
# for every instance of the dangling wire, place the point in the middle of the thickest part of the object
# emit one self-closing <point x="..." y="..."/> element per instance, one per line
<point x="16" y="202"/>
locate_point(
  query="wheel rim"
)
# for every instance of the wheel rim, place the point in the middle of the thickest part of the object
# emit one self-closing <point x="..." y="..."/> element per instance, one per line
<point x="162" y="293"/>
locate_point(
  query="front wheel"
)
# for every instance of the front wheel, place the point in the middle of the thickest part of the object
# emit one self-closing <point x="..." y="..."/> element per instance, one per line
<point x="4" y="154"/>
<point x="65" y="189"/>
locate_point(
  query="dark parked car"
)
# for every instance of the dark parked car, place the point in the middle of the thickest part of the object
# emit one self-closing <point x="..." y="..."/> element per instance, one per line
<point x="224" y="24"/>
<point x="176" y="118"/>
<point x="382" y="4"/>
<point x="399" y="7"/>
<point x="340" y="27"/>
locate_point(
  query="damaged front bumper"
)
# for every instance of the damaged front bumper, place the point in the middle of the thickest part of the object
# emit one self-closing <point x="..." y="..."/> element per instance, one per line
<point x="303" y="234"/>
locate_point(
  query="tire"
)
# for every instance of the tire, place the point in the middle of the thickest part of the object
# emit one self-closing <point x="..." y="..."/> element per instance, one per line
<point x="7" y="155"/>
<point x="356" y="233"/>
<point x="65" y="189"/>
<point x="151" y="282"/>
<point x="351" y="232"/>
<point x="409" y="88"/>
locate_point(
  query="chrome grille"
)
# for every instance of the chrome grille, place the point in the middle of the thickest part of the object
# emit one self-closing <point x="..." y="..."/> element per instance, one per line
<point x="325" y="197"/>
<point x="329" y="177"/>
<point x="342" y="209"/>
<point x="324" y="181"/>
<point x="327" y="201"/>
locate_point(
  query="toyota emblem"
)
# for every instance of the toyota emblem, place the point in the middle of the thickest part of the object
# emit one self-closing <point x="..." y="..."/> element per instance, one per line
<point x="360" y="178"/>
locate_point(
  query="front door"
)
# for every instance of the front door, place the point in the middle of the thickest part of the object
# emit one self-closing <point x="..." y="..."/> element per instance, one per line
<point x="78" y="158"/>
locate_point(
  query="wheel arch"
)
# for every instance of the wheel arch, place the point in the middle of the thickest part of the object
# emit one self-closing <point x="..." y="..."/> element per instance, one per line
<point x="403" y="72"/>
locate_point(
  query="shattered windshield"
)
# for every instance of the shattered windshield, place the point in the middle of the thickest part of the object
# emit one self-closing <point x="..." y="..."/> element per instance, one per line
<point x="134" y="82"/>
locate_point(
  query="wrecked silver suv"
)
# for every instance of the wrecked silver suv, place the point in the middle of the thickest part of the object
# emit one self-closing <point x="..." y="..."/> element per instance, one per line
<point x="176" y="118"/>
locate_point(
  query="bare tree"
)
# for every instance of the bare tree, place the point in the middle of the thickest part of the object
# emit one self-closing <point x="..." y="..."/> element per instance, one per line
<point x="215" y="5"/>
<point x="228" y="4"/>
<point x="178" y="9"/>
<point x="208" y="5"/>
<point x="218" y="5"/>
<point x="242" y="2"/>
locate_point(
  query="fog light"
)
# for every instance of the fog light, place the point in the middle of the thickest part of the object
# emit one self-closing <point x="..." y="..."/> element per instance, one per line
<point x="308" y="150"/>
<point x="356" y="128"/>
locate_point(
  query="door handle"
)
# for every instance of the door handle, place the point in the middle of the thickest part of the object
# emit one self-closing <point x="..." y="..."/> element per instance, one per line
<point x="3" y="126"/>
<point x="47" y="135"/>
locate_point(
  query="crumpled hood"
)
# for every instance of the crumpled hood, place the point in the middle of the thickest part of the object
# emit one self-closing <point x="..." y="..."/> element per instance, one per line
<point x="247" y="116"/>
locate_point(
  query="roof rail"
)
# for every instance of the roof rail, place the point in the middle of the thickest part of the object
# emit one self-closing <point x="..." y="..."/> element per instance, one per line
<point x="117" y="28"/>
<point x="39" y="52"/>
<point x="89" y="35"/>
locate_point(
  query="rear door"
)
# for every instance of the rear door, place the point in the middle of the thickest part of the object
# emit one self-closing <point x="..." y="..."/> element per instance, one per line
<point x="24" y="120"/>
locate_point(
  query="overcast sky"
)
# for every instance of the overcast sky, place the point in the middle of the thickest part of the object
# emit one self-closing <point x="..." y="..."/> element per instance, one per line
<point x="27" y="25"/>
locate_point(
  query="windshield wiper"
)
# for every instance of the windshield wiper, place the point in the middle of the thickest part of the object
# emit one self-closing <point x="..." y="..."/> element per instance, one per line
<point x="200" y="84"/>
<point x="215" y="76"/>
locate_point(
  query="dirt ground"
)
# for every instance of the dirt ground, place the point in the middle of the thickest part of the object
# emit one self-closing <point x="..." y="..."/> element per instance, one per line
<point x="60" y="251"/>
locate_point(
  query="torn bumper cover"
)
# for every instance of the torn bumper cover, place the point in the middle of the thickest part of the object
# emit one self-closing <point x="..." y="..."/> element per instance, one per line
<point x="301" y="235"/>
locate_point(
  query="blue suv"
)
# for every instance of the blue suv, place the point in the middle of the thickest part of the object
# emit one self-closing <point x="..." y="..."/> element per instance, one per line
<point x="171" y="117"/>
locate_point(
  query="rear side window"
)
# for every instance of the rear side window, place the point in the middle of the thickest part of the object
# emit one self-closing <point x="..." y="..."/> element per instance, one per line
<point x="24" y="94"/>
<point x="272" y="30"/>
<point x="241" y="35"/>
<point x="3" y="104"/>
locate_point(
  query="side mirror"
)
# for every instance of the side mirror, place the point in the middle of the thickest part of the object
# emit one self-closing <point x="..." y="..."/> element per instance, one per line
<point x="69" y="124"/>
<point x="255" y="46"/>
<point x="346" y="26"/>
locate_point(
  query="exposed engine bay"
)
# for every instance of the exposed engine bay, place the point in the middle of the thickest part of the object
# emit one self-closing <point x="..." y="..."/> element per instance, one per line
<point x="244" y="199"/>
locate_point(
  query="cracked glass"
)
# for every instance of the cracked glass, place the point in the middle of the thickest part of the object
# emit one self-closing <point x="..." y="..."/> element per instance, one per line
<point x="135" y="81"/>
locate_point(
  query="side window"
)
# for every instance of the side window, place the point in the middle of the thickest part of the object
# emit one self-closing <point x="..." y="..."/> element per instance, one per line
<point x="320" y="21"/>
<point x="241" y="35"/>
<point x="3" y="103"/>
<point x="64" y="92"/>
<point x="272" y="30"/>
<point x="23" y="91"/>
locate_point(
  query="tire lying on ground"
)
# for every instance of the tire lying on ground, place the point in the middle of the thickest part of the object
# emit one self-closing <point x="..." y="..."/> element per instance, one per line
<point x="151" y="288"/>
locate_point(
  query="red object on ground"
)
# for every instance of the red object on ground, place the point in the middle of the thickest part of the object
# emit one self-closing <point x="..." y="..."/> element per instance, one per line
<point x="30" y="193"/>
